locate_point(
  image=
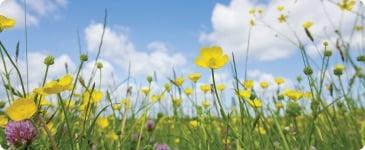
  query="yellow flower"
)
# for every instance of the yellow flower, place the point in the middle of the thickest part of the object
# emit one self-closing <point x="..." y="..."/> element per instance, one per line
<point x="21" y="109"/>
<point x="177" y="102"/>
<point x="179" y="81"/>
<point x="112" y="136"/>
<point x="177" y="140"/>
<point x="221" y="87"/>
<point x="188" y="91"/>
<point x="264" y="84"/>
<point x="56" y="86"/>
<point x="293" y="94"/>
<point x="3" y="121"/>
<point x="205" y="88"/>
<point x="102" y="122"/>
<point x="280" y="8"/>
<point x="96" y="96"/>
<point x="194" y="123"/>
<point x="347" y="4"/>
<point x="256" y="103"/>
<point x="211" y="57"/>
<point x="167" y="87"/>
<point x="116" y="106"/>
<point x="194" y="77"/>
<point x="245" y="94"/>
<point x="279" y="105"/>
<point x="279" y="80"/>
<point x="248" y="84"/>
<point x="282" y="18"/>
<point x="261" y="130"/>
<point x="145" y="90"/>
<point x="307" y="24"/>
<point x="51" y="128"/>
<point x="6" y="23"/>
<point x="206" y="104"/>
<point x="127" y="103"/>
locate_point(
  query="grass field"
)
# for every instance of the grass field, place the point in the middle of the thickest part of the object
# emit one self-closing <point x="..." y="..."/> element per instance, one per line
<point x="323" y="109"/>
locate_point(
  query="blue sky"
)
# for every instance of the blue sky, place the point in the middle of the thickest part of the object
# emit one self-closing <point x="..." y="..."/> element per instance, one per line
<point x="182" y="26"/>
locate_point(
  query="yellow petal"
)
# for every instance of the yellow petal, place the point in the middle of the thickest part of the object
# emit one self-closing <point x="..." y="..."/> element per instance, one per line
<point x="21" y="109"/>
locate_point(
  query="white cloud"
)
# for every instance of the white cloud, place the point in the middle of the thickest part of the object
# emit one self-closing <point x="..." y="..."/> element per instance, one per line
<point x="36" y="9"/>
<point x="230" y="26"/>
<point x="118" y="48"/>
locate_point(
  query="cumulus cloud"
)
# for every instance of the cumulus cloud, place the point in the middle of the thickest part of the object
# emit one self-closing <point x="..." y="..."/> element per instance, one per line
<point x="119" y="49"/>
<point x="36" y="9"/>
<point x="230" y="26"/>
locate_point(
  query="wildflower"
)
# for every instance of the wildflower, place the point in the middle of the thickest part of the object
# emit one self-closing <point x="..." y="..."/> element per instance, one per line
<point x="127" y="103"/>
<point x="83" y="57"/>
<point x="248" y="84"/>
<point x="194" y="123"/>
<point x="179" y="81"/>
<point x="245" y="94"/>
<point x="308" y="71"/>
<point x="112" y="136"/>
<point x="327" y="53"/>
<point x="102" y="122"/>
<point x="6" y="23"/>
<point x="51" y="128"/>
<point x="206" y="104"/>
<point x="20" y="132"/>
<point x="145" y="90"/>
<point x="188" y="91"/>
<point x="156" y="97"/>
<point x="251" y="11"/>
<point x="282" y="18"/>
<point x="194" y="77"/>
<point x="177" y="102"/>
<point x="307" y="24"/>
<point x="339" y="68"/>
<point x="3" y="121"/>
<point x="95" y="97"/>
<point x="221" y="87"/>
<point x="150" y="125"/>
<point x="177" y="140"/>
<point x="280" y="8"/>
<point x="56" y="86"/>
<point x="167" y="87"/>
<point x="293" y="94"/>
<point x="205" y="88"/>
<point x="261" y="130"/>
<point x="211" y="57"/>
<point x="21" y="109"/>
<point x="279" y="80"/>
<point x="279" y="105"/>
<point x="256" y="103"/>
<point x="358" y="28"/>
<point x="264" y="84"/>
<point x="116" y="106"/>
<point x="161" y="147"/>
<point x="347" y="5"/>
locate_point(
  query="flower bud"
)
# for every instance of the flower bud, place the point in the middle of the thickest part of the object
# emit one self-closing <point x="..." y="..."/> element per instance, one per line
<point x="49" y="60"/>
<point x="338" y="69"/>
<point x="83" y="57"/>
<point x="99" y="65"/>
<point x="308" y="71"/>
<point x="361" y="58"/>
<point x="327" y="53"/>
<point x="149" y="79"/>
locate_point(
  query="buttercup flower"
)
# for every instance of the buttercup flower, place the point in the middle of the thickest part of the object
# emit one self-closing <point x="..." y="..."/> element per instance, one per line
<point x="211" y="57"/>
<point x="307" y="24"/>
<point x="194" y="77"/>
<point x="245" y="94"/>
<point x="56" y="86"/>
<point x="205" y="88"/>
<point x="248" y="84"/>
<point x="21" y="109"/>
<point x="3" y="121"/>
<point x="102" y="122"/>
<point x="179" y="81"/>
<point x="206" y="104"/>
<point x="293" y="94"/>
<point x="95" y="97"/>
<point x="20" y="132"/>
<point x="256" y="103"/>
<point x="6" y="23"/>
<point x="264" y="84"/>
<point x="221" y="87"/>
<point x="188" y="91"/>
<point x="279" y="80"/>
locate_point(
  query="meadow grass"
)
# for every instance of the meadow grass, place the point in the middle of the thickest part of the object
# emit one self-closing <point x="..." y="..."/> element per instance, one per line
<point x="323" y="110"/>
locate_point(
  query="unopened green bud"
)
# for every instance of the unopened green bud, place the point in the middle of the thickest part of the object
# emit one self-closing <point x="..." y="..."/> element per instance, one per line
<point x="99" y="65"/>
<point x="308" y="71"/>
<point x="83" y="57"/>
<point x="327" y="53"/>
<point x="49" y="60"/>
<point x="149" y="79"/>
<point x="361" y="58"/>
